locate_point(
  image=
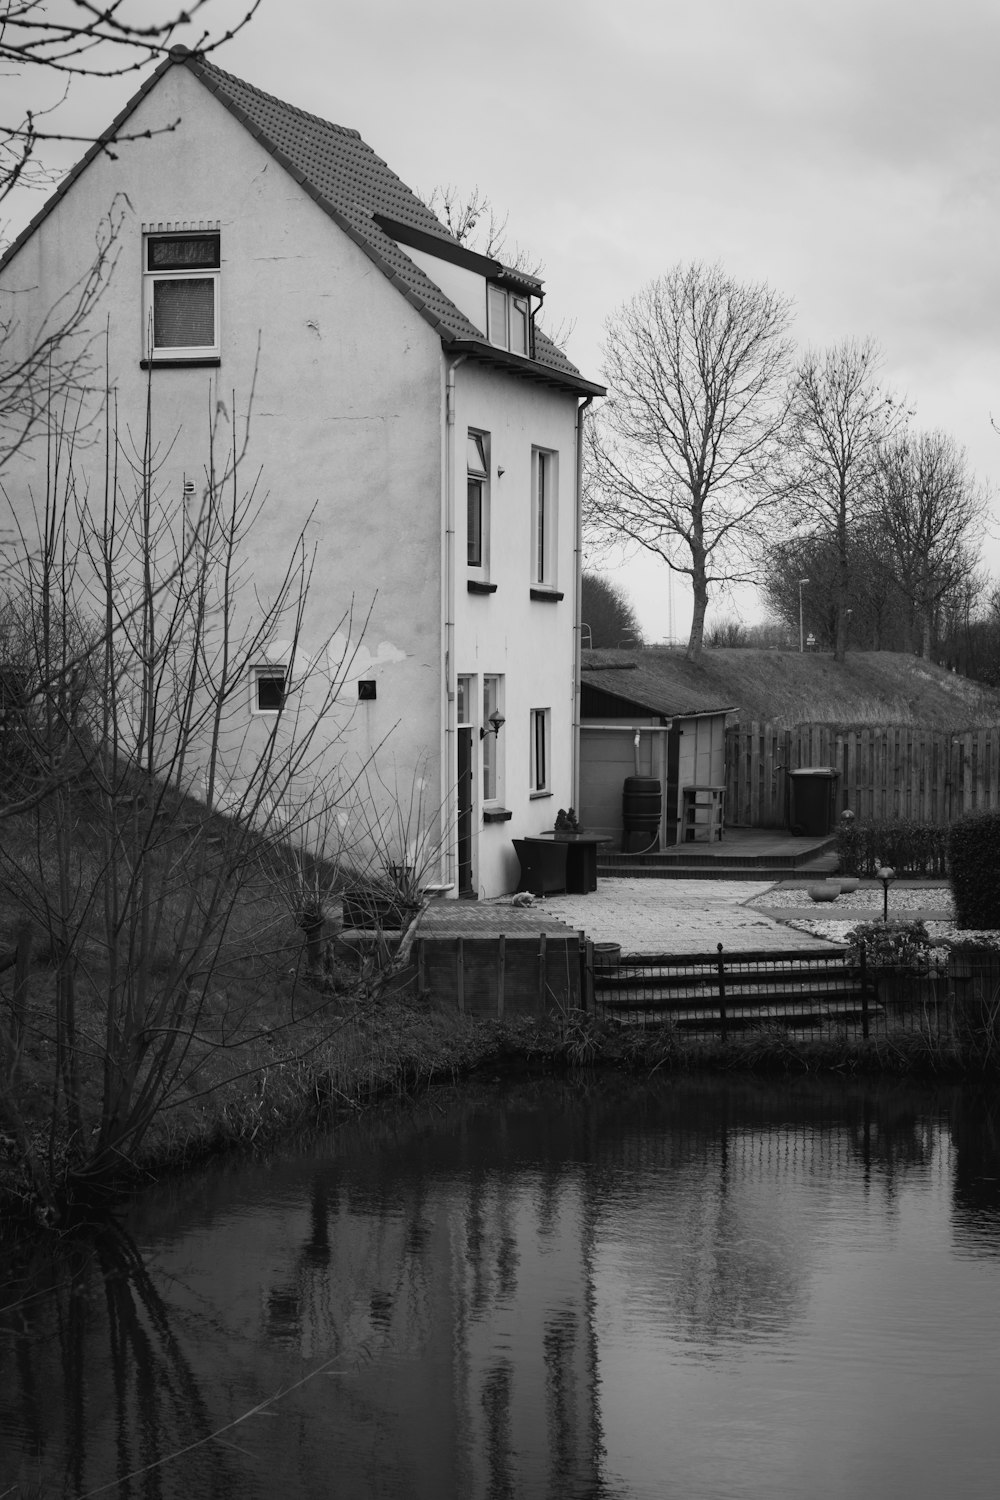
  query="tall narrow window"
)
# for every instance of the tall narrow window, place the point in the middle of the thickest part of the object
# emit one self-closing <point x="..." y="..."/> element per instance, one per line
<point x="492" y="749"/>
<point x="540" y="749"/>
<point x="544" y="517"/>
<point x="477" y="528"/>
<point x="181" y="296"/>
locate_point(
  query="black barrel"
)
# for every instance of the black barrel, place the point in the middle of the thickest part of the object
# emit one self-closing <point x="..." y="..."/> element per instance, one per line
<point x="641" y="805"/>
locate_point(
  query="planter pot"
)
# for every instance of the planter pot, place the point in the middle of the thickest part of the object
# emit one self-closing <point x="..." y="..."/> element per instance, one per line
<point x="847" y="884"/>
<point x="828" y="891"/>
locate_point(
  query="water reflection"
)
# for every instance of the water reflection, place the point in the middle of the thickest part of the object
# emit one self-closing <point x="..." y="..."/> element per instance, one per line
<point x="540" y="1289"/>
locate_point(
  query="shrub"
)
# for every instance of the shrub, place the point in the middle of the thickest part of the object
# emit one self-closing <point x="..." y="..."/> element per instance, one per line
<point x="974" y="857"/>
<point x="891" y="945"/>
<point x="909" y="847"/>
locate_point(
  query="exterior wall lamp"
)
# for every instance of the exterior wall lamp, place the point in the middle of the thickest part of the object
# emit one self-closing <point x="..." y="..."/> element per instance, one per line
<point x="497" y="721"/>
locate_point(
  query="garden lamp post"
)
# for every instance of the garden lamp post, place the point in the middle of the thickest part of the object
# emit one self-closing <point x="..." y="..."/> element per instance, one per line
<point x="802" y="584"/>
<point x="887" y="875"/>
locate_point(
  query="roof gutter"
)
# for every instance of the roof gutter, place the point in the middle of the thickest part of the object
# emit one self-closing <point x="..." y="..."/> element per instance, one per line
<point x="448" y="798"/>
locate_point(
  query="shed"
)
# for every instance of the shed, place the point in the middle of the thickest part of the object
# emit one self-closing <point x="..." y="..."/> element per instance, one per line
<point x="639" y="716"/>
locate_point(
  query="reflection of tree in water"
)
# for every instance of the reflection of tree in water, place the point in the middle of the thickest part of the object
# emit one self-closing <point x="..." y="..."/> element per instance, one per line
<point x="94" y="1386"/>
<point x="976" y="1137"/>
<point x="711" y="1172"/>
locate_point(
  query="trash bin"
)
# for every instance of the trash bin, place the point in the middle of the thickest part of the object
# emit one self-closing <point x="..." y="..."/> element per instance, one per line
<point x="814" y="799"/>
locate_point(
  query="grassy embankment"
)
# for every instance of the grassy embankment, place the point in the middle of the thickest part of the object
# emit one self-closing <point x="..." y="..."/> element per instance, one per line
<point x="873" y="687"/>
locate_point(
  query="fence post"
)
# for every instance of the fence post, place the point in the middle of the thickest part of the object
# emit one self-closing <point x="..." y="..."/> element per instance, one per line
<point x="864" y="992"/>
<point x="722" y="995"/>
<point x="460" y="974"/>
<point x="541" y="972"/>
<point x="501" y="974"/>
<point x="587" y="977"/>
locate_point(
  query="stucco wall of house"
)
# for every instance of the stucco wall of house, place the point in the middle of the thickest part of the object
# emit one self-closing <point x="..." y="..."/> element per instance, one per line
<point x="341" y="379"/>
<point x="529" y="642"/>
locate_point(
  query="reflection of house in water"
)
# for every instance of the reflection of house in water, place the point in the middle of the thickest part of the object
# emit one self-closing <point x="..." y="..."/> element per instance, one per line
<point x="459" y="1320"/>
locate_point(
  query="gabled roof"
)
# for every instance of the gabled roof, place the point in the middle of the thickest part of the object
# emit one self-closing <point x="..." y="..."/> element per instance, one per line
<point x="656" y="680"/>
<point x="356" y="188"/>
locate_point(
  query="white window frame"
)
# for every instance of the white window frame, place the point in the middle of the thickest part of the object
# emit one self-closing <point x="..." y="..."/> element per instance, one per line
<point x="507" y="311"/>
<point x="493" y="757"/>
<point x="544" y="516"/>
<point x="151" y="277"/>
<point x="478" y="474"/>
<point x="267" y="671"/>
<point x="541" y="751"/>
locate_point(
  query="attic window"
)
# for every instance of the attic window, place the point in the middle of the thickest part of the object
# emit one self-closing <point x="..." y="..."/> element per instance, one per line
<point x="181" y="296"/>
<point x="507" y="319"/>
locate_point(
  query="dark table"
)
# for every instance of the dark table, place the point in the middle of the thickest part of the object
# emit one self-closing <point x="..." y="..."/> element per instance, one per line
<point x="554" y="861"/>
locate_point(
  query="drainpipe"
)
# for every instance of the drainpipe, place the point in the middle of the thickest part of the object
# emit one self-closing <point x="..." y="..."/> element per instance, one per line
<point x="578" y="602"/>
<point x="449" y="793"/>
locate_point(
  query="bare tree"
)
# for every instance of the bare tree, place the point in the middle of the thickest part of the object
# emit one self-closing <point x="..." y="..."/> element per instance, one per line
<point x="929" y="507"/>
<point x="841" y="418"/>
<point x="138" y="791"/>
<point x="685" y="452"/>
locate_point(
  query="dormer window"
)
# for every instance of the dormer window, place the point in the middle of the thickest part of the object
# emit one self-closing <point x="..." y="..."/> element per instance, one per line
<point x="507" y="318"/>
<point x="181" y="301"/>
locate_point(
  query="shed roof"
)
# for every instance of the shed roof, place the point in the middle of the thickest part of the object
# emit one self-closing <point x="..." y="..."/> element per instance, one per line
<point x="357" y="189"/>
<point x="656" y="680"/>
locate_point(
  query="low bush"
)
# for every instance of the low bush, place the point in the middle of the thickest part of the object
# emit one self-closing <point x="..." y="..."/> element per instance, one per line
<point x="896" y="944"/>
<point x="908" y="847"/>
<point x="974" y="861"/>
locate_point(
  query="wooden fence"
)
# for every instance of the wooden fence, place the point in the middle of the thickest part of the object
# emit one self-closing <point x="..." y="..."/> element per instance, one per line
<point x="895" y="772"/>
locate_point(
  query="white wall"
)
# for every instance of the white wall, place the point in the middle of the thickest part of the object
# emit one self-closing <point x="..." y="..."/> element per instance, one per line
<point x="341" y="377"/>
<point x="527" y="641"/>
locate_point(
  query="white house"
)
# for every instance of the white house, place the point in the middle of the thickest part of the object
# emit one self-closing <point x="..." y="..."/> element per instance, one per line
<point x="406" y="411"/>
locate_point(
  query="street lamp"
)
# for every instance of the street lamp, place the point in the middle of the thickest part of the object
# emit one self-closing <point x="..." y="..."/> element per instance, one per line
<point x="802" y="584"/>
<point x="887" y="875"/>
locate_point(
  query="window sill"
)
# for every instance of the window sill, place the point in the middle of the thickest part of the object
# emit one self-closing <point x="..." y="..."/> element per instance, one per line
<point x="547" y="596"/>
<point x="212" y="361"/>
<point x="475" y="587"/>
<point x="537" y="796"/>
<point x="497" y="814"/>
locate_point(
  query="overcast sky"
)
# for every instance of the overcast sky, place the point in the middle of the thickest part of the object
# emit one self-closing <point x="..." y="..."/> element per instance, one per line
<point x="848" y="154"/>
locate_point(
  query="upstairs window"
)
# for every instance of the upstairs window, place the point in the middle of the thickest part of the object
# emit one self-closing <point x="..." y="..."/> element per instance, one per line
<point x="543" y="518"/>
<point x="507" y="319"/>
<point x="181" y="296"/>
<point x="478" y="499"/>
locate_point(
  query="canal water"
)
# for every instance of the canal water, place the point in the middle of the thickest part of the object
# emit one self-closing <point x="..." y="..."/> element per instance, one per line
<point x="593" y="1289"/>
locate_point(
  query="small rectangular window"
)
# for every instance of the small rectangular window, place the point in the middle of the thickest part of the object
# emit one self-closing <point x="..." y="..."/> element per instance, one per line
<point x="269" y="687"/>
<point x="464" y="705"/>
<point x="181" y="296"/>
<point x="540" y="749"/>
